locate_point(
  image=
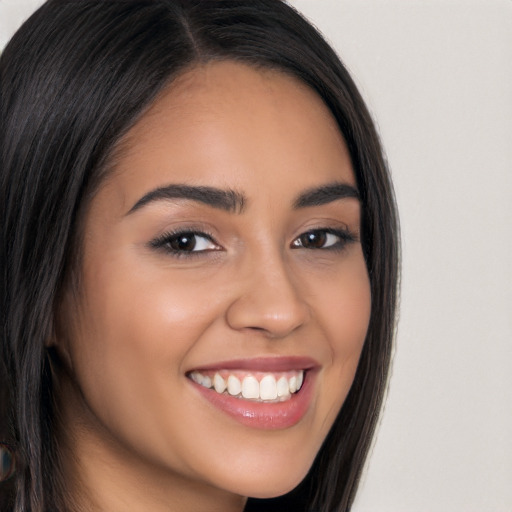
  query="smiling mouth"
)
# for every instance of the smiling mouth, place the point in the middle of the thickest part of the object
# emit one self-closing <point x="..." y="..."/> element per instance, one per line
<point x="264" y="387"/>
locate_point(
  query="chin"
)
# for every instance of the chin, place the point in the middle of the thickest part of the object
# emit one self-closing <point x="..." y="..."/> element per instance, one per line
<point x="263" y="483"/>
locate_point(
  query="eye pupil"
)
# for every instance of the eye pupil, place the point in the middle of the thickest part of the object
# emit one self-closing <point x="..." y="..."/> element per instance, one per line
<point x="314" y="239"/>
<point x="183" y="242"/>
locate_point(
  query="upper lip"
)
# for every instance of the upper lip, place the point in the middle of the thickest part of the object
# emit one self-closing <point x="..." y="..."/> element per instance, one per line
<point x="263" y="364"/>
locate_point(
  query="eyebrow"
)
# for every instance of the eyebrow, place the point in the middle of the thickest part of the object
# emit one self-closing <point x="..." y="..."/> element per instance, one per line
<point x="233" y="201"/>
<point x="325" y="194"/>
<point x="228" y="200"/>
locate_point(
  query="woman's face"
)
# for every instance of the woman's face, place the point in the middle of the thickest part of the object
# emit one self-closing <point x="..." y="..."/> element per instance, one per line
<point x="222" y="251"/>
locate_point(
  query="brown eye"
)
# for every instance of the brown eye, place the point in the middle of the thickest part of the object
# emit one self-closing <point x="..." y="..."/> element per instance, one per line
<point x="313" y="240"/>
<point x="183" y="242"/>
<point x="323" y="239"/>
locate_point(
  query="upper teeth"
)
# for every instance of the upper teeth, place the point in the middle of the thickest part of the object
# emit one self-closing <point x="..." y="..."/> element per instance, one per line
<point x="253" y="386"/>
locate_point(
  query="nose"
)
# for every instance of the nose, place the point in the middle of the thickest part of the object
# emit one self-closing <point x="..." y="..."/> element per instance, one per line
<point x="268" y="300"/>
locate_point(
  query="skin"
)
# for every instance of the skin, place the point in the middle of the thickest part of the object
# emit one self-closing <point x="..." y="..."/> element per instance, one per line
<point x="137" y="436"/>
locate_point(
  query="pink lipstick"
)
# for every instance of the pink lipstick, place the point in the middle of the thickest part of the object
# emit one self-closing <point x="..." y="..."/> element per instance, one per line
<point x="263" y="393"/>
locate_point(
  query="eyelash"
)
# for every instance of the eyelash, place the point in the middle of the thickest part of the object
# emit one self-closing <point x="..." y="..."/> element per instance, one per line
<point x="344" y="237"/>
<point x="163" y="242"/>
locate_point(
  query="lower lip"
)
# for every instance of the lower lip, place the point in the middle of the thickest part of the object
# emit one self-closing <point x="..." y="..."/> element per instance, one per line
<point x="265" y="416"/>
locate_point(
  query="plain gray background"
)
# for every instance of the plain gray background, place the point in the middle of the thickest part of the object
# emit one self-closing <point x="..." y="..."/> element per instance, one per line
<point x="437" y="75"/>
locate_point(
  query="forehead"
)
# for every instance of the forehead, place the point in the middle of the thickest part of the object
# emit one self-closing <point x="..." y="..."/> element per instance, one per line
<point x="229" y="124"/>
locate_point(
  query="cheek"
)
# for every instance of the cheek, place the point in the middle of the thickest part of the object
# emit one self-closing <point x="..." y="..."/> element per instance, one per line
<point x="343" y="312"/>
<point x="342" y="305"/>
<point x="136" y="330"/>
<point x="133" y="312"/>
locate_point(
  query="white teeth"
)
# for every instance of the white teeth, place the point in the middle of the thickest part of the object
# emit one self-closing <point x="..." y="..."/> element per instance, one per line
<point x="234" y="386"/>
<point x="250" y="387"/>
<point x="197" y="377"/>
<point x="219" y="383"/>
<point x="283" y="388"/>
<point x="300" y="380"/>
<point x="268" y="388"/>
<point x="293" y="384"/>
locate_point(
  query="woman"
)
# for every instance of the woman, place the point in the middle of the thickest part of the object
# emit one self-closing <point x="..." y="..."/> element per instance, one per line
<point x="199" y="279"/>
